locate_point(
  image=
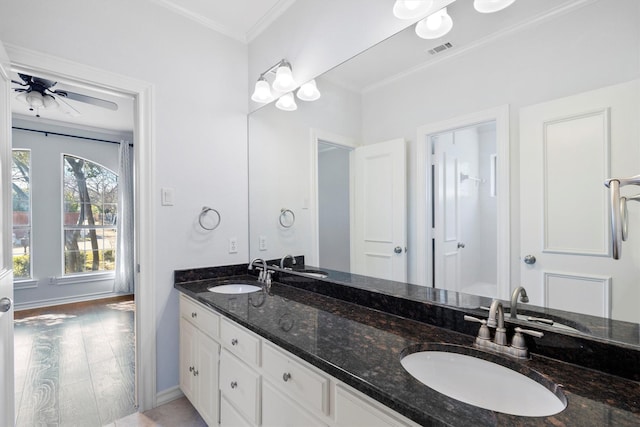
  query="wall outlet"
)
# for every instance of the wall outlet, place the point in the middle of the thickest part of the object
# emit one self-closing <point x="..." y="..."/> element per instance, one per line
<point x="233" y="245"/>
<point x="262" y="243"/>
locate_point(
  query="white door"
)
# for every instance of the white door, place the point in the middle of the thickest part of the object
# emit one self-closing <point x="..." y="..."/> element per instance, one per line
<point x="380" y="224"/>
<point x="568" y="147"/>
<point x="7" y="416"/>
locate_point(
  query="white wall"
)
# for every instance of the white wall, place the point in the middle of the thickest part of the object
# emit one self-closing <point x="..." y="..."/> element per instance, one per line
<point x="46" y="189"/>
<point x="551" y="60"/>
<point x="200" y="106"/>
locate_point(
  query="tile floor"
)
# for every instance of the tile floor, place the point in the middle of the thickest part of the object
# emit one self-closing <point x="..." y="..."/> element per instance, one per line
<point x="178" y="413"/>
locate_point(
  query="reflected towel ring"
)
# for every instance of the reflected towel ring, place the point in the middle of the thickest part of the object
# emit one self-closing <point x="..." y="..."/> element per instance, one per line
<point x="283" y="216"/>
<point x="204" y="212"/>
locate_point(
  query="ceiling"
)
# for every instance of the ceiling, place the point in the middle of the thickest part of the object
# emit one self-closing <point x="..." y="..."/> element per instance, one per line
<point x="242" y="20"/>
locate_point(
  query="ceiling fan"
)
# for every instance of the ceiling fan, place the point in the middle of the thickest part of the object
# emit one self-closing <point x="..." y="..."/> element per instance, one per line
<point x="39" y="93"/>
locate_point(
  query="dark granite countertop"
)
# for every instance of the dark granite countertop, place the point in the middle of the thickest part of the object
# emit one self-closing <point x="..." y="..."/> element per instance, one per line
<point x="362" y="347"/>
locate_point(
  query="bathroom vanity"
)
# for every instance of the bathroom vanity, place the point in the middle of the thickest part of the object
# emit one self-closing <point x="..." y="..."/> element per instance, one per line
<point x="297" y="356"/>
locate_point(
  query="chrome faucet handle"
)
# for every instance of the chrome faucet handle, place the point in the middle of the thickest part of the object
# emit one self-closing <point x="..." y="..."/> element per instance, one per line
<point x="518" y="340"/>
<point x="483" y="333"/>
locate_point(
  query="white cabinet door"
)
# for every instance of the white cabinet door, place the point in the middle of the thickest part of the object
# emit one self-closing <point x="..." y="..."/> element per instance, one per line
<point x="240" y="385"/>
<point x="188" y="350"/>
<point x="207" y="378"/>
<point x="568" y="147"/>
<point x="380" y="235"/>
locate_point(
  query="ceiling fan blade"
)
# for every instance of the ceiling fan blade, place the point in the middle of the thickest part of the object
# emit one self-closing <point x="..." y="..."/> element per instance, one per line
<point x="66" y="108"/>
<point x="87" y="99"/>
<point x="19" y="83"/>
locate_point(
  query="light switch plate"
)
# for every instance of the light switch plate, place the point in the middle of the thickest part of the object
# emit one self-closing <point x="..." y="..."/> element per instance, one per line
<point x="167" y="197"/>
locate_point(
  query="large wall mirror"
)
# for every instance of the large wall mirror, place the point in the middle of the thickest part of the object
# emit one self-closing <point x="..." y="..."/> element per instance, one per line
<point x="474" y="162"/>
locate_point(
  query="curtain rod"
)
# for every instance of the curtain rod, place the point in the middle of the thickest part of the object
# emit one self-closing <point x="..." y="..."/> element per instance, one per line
<point x="46" y="132"/>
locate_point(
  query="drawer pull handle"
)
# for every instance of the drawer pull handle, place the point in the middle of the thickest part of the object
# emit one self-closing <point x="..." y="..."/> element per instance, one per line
<point x="234" y="384"/>
<point x="234" y="341"/>
<point x="286" y="376"/>
<point x="194" y="315"/>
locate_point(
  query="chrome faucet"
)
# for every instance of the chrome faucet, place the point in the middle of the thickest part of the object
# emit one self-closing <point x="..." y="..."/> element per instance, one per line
<point x="263" y="270"/>
<point x="497" y="311"/>
<point x="518" y="347"/>
<point x="517" y="292"/>
<point x="283" y="259"/>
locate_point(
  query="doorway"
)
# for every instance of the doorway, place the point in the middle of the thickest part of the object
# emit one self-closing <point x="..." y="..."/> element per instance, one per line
<point x="142" y="92"/>
<point x="464" y="178"/>
<point x="464" y="209"/>
<point x="71" y="364"/>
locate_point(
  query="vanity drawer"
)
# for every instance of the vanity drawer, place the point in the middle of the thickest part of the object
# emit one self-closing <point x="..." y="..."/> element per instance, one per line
<point x="240" y="342"/>
<point x="281" y="411"/>
<point x="304" y="384"/>
<point x="354" y="410"/>
<point x="240" y="385"/>
<point x="203" y="318"/>
<point x="229" y="417"/>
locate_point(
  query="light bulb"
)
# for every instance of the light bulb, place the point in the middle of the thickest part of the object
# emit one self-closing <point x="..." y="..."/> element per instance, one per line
<point x="411" y="9"/>
<point x="490" y="6"/>
<point x="262" y="91"/>
<point x="308" y="91"/>
<point x="435" y="25"/>
<point x="284" y="78"/>
<point x="34" y="99"/>
<point x="49" y="101"/>
<point x="287" y="102"/>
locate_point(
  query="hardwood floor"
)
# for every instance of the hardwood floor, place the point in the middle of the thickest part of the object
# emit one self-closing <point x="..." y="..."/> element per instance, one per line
<point x="74" y="364"/>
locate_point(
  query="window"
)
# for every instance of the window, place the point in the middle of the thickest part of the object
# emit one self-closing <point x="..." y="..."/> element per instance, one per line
<point x="90" y="195"/>
<point x="21" y="193"/>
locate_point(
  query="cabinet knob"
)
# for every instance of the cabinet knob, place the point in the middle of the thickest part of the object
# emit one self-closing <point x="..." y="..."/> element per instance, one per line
<point x="234" y="341"/>
<point x="234" y="384"/>
<point x="286" y="376"/>
<point x="190" y="368"/>
<point x="195" y="373"/>
<point x="194" y="315"/>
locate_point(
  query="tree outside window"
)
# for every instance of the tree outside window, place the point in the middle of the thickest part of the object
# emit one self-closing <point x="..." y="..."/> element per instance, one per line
<point x="21" y="194"/>
<point x="90" y="198"/>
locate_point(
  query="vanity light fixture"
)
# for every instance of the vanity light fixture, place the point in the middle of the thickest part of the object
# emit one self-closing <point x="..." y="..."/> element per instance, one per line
<point x="308" y="91"/>
<point x="410" y="9"/>
<point x="284" y="78"/>
<point x="262" y="91"/>
<point x="435" y="25"/>
<point x="490" y="6"/>
<point x="287" y="102"/>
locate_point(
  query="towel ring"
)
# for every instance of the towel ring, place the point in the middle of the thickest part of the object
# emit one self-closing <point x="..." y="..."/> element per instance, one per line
<point x="283" y="217"/>
<point x="204" y="212"/>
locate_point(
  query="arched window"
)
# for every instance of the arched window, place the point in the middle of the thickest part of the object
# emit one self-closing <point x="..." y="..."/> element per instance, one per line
<point x="90" y="200"/>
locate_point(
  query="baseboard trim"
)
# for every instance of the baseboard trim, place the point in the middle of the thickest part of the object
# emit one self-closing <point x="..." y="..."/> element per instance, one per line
<point x="64" y="300"/>
<point x="168" y="395"/>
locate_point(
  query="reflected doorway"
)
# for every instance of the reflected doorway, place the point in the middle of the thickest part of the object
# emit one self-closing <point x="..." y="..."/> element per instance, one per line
<point x="464" y="209"/>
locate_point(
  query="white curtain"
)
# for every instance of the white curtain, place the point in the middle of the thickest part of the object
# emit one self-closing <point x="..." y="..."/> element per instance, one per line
<point x="125" y="270"/>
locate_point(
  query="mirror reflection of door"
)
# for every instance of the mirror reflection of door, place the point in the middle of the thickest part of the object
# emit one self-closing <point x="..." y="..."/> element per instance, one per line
<point x="334" y="231"/>
<point x="464" y="209"/>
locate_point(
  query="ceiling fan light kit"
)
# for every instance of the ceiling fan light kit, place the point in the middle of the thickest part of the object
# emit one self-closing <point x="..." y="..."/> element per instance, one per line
<point x="283" y="84"/>
<point x="38" y="93"/>
<point x="437" y="24"/>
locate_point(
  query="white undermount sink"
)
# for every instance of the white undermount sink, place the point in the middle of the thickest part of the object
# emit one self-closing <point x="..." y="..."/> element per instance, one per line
<point x="482" y="383"/>
<point x="234" y="288"/>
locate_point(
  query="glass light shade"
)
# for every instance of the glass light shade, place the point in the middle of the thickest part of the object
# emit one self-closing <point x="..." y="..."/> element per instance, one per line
<point x="308" y="91"/>
<point x="284" y="79"/>
<point x="490" y="6"/>
<point x="49" y="101"/>
<point x="410" y="9"/>
<point x="34" y="99"/>
<point x="435" y="25"/>
<point x="262" y="92"/>
<point x="287" y="102"/>
<point x="22" y="97"/>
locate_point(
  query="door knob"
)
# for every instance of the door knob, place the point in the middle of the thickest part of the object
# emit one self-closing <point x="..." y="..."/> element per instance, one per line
<point x="397" y="250"/>
<point x="5" y="304"/>
<point x="460" y="245"/>
<point x="529" y="259"/>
